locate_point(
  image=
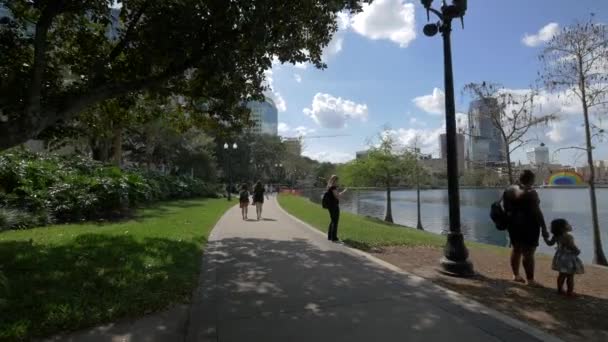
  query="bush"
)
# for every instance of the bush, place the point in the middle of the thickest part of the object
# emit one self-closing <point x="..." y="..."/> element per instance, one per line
<point x="39" y="189"/>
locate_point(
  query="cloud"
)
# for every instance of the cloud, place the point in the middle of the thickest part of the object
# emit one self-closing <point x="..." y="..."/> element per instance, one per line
<point x="544" y="35"/>
<point x="287" y="131"/>
<point x="433" y="103"/>
<point x="330" y="156"/>
<point x="298" y="78"/>
<point x="393" y="20"/>
<point x="416" y="122"/>
<point x="334" y="112"/>
<point x="279" y="101"/>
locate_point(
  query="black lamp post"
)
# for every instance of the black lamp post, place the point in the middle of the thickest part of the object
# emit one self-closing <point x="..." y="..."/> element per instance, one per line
<point x="456" y="256"/>
<point x="227" y="149"/>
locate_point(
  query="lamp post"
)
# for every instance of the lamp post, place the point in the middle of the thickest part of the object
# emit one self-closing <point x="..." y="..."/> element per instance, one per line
<point x="279" y="167"/>
<point x="227" y="149"/>
<point x="456" y="256"/>
<point x="419" y="224"/>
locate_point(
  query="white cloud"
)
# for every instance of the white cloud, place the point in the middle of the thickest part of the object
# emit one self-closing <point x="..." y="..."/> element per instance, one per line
<point x="332" y="157"/>
<point x="283" y="128"/>
<point x="334" y="112"/>
<point x="433" y="103"/>
<point x="298" y="78"/>
<point x="287" y="131"/>
<point x="416" y="122"/>
<point x="279" y="101"/>
<point x="387" y="19"/>
<point x="542" y="36"/>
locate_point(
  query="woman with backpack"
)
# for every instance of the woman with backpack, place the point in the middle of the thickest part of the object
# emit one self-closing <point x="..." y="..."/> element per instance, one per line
<point x="331" y="202"/>
<point x="525" y="223"/>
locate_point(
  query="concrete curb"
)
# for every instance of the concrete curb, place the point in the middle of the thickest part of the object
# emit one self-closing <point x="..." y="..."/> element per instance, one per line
<point x="466" y="303"/>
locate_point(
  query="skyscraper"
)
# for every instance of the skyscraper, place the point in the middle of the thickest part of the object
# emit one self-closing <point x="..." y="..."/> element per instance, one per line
<point x="460" y="149"/>
<point x="485" y="143"/>
<point x="538" y="155"/>
<point x="265" y="117"/>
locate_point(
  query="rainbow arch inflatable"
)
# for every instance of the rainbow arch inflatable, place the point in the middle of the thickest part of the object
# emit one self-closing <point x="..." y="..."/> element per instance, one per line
<point x="565" y="178"/>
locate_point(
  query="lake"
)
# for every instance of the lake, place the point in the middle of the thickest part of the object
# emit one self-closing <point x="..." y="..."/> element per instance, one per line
<point x="571" y="204"/>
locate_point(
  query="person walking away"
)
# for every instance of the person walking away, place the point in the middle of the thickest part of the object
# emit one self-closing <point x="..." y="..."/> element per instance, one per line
<point x="266" y="190"/>
<point x="526" y="220"/>
<point x="244" y="201"/>
<point x="565" y="260"/>
<point x="258" y="198"/>
<point x="332" y="203"/>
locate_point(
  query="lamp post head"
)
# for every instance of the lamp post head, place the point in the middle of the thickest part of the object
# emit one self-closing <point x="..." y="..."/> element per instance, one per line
<point x="235" y="146"/>
<point x="225" y="146"/>
<point x="430" y="30"/>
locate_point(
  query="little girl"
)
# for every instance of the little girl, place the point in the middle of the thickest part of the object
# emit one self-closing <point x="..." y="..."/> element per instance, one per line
<point x="244" y="200"/>
<point x="566" y="260"/>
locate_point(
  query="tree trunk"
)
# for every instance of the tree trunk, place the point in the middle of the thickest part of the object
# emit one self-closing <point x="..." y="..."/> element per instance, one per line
<point x="389" y="208"/>
<point x="509" y="167"/>
<point x="117" y="145"/>
<point x="598" y="253"/>
<point x="100" y="149"/>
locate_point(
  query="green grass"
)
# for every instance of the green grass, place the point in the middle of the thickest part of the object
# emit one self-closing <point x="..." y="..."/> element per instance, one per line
<point x="358" y="231"/>
<point x="66" y="277"/>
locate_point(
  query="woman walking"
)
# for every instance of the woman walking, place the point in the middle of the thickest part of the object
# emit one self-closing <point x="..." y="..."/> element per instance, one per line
<point x="244" y="201"/>
<point x="258" y="198"/>
<point x="332" y="203"/>
<point x="522" y="204"/>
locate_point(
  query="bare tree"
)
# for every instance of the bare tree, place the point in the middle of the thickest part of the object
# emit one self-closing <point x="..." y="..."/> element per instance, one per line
<point x="576" y="63"/>
<point x="512" y="114"/>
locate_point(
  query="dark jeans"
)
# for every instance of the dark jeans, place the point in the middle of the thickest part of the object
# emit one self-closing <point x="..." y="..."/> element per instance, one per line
<point x="332" y="231"/>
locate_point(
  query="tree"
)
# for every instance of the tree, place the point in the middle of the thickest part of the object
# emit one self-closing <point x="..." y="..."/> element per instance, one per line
<point x="513" y="114"/>
<point x="61" y="57"/>
<point x="385" y="165"/>
<point x="576" y="63"/>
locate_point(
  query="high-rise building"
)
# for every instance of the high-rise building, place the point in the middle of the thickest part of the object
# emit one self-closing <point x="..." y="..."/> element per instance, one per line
<point x="265" y="117"/>
<point x="293" y="146"/>
<point x="538" y="155"/>
<point x="485" y="143"/>
<point x="459" y="149"/>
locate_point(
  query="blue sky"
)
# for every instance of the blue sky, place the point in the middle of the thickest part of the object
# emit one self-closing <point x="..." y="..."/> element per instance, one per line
<point x="382" y="71"/>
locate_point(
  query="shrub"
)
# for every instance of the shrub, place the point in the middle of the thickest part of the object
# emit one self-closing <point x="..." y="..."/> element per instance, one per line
<point x="38" y="189"/>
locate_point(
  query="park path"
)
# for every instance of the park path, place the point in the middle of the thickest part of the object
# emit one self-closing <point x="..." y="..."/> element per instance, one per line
<point x="280" y="280"/>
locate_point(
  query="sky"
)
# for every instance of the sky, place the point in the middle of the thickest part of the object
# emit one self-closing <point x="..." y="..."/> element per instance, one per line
<point x="384" y="73"/>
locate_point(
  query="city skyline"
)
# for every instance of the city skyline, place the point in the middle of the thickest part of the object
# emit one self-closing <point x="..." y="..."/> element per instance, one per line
<point x="382" y="72"/>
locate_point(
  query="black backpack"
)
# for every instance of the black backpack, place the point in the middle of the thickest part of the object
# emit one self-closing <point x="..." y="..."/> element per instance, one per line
<point x="327" y="199"/>
<point x="499" y="215"/>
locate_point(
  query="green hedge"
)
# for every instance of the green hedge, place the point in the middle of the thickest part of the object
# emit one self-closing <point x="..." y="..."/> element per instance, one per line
<point x="39" y="189"/>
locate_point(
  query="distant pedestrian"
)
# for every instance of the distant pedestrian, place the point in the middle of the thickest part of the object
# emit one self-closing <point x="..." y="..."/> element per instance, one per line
<point x="331" y="202"/>
<point x="267" y="191"/>
<point x="566" y="260"/>
<point x="244" y="201"/>
<point x="522" y="205"/>
<point x="258" y="198"/>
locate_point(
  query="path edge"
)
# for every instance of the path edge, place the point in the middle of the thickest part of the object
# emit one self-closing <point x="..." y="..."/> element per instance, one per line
<point x="465" y="302"/>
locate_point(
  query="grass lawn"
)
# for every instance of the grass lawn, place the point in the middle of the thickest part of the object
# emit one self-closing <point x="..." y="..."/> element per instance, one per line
<point x="358" y="231"/>
<point x="66" y="277"/>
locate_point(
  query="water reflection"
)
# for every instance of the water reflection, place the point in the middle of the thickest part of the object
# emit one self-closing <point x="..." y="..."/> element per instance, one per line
<point x="571" y="204"/>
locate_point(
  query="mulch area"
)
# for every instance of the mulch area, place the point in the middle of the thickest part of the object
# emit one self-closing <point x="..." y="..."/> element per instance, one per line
<point x="584" y="318"/>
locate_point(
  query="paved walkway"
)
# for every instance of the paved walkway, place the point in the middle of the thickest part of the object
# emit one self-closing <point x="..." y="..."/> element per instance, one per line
<point x="280" y="280"/>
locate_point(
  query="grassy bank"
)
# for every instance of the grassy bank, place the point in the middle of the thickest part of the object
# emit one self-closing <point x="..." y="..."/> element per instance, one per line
<point x="67" y="277"/>
<point x="358" y="231"/>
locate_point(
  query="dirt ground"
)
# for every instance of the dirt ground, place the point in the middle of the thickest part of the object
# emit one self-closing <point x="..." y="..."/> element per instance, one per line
<point x="584" y="318"/>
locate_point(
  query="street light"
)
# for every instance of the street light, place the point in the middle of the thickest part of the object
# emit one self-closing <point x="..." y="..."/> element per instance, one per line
<point x="456" y="256"/>
<point x="227" y="149"/>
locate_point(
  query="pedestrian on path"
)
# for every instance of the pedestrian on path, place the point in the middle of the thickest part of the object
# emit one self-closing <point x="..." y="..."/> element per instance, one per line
<point x="332" y="203"/>
<point x="244" y="201"/>
<point x="566" y="260"/>
<point x="526" y="220"/>
<point x="258" y="198"/>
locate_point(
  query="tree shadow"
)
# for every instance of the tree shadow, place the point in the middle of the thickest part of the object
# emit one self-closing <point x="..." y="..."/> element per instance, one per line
<point x="95" y="278"/>
<point x="292" y="290"/>
<point x="580" y="319"/>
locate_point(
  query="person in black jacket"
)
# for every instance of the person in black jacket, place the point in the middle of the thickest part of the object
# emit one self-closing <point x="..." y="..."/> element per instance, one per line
<point x="258" y="198"/>
<point x="522" y="204"/>
<point x="333" y="206"/>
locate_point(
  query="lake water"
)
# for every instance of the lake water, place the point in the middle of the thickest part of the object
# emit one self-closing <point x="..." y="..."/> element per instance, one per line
<point x="571" y="204"/>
